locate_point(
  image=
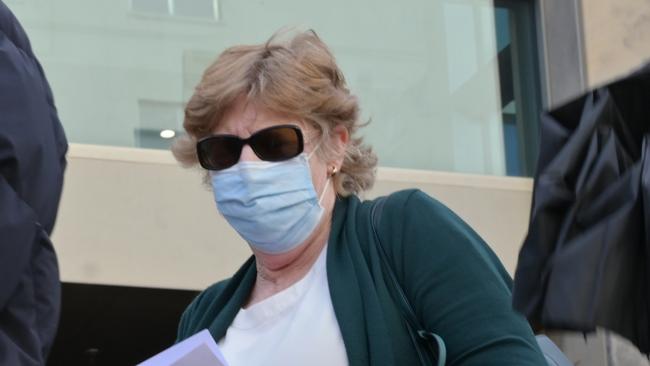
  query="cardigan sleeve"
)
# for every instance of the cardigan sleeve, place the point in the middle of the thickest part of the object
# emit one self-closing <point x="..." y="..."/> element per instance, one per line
<point x="193" y="319"/>
<point x="184" y="328"/>
<point x="458" y="287"/>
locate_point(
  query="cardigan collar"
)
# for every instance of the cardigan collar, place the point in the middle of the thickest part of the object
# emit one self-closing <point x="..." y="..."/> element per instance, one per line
<point x="351" y="289"/>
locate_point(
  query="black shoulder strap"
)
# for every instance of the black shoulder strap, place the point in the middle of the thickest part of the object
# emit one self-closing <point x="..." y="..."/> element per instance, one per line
<point x="423" y="340"/>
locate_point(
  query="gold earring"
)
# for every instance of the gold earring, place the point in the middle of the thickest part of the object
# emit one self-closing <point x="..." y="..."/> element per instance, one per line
<point x="334" y="170"/>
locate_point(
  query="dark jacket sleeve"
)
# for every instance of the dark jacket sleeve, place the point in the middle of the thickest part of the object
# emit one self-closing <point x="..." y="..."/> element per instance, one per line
<point x="18" y="230"/>
<point x="32" y="162"/>
<point x="458" y="286"/>
<point x="17" y="219"/>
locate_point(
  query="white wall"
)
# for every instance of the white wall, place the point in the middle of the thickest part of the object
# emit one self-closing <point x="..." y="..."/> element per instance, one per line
<point x="134" y="217"/>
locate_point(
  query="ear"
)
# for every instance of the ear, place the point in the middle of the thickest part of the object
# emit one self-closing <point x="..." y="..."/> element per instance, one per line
<point x="340" y="139"/>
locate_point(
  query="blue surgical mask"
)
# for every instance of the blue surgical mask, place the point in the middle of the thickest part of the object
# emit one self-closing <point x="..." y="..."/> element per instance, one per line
<point x="272" y="205"/>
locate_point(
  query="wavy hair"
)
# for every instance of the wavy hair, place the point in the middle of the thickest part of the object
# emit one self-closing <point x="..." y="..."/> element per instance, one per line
<point x="296" y="77"/>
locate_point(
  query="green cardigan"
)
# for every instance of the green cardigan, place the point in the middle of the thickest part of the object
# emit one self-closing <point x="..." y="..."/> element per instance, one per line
<point x="456" y="284"/>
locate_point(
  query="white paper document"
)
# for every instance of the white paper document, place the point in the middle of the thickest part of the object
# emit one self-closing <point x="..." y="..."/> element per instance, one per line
<point x="197" y="350"/>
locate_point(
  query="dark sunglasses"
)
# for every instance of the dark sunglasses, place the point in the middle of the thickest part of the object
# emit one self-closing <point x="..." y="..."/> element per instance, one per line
<point x="275" y="143"/>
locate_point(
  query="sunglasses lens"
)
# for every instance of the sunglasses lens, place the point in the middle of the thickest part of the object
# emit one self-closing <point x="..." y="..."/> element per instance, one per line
<point x="272" y="144"/>
<point x="219" y="152"/>
<point x="277" y="143"/>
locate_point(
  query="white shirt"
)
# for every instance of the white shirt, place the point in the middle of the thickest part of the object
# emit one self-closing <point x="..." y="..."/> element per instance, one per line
<point x="296" y="326"/>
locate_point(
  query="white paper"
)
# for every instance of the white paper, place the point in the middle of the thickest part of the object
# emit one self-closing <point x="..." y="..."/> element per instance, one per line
<point x="197" y="350"/>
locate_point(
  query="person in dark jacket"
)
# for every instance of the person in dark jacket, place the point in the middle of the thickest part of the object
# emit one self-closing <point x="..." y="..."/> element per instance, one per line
<point x="32" y="162"/>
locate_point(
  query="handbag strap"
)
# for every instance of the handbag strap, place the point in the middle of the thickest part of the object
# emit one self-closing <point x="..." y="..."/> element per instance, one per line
<point x="422" y="339"/>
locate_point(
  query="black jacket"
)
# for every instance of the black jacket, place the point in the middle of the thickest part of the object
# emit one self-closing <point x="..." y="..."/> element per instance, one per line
<point x="32" y="161"/>
<point x="586" y="259"/>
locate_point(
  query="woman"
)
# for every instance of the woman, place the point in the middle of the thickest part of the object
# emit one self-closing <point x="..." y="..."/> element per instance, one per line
<point x="275" y="127"/>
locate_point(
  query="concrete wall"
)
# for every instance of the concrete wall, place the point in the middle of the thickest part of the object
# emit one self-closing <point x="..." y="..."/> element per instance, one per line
<point x="616" y="37"/>
<point x="134" y="217"/>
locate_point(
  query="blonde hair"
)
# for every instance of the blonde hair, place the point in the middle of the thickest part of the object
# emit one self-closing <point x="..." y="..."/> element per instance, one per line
<point x="298" y="78"/>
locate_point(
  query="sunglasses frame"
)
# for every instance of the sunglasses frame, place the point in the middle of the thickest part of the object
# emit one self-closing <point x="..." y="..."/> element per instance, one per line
<point x="247" y="141"/>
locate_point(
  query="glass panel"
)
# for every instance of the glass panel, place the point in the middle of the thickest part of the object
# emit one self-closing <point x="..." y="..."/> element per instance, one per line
<point x="151" y="6"/>
<point x="195" y="8"/>
<point x="519" y="81"/>
<point x="432" y="76"/>
<point x="159" y="123"/>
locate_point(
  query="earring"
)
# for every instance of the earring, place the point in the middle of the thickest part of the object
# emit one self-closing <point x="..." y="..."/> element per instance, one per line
<point x="334" y="170"/>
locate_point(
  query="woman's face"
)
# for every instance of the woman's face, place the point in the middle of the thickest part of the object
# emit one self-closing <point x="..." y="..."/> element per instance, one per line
<point x="244" y="119"/>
